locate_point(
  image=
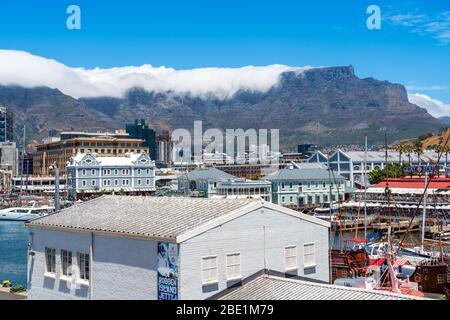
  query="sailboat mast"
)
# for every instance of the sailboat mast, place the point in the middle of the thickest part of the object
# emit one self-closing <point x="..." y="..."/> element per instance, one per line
<point x="365" y="189"/>
<point x="424" y="213"/>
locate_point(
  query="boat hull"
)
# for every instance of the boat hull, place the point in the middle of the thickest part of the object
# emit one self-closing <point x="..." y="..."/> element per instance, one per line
<point x="18" y="217"/>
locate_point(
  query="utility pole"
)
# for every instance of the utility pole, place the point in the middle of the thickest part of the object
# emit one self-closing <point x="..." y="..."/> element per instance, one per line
<point x="23" y="159"/>
<point x="55" y="169"/>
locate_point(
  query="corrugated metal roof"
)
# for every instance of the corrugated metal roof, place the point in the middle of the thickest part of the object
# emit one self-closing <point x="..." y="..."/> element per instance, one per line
<point x="306" y="173"/>
<point x="158" y="217"/>
<point x="268" y="287"/>
<point x="208" y="174"/>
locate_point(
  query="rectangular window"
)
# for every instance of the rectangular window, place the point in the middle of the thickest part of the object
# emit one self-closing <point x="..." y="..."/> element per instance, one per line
<point x="93" y="183"/>
<point x="50" y="260"/>
<point x="66" y="263"/>
<point x="290" y="258"/>
<point x="210" y="272"/>
<point x="291" y="199"/>
<point x="139" y="182"/>
<point x="309" y="255"/>
<point x="83" y="183"/>
<point x="344" y="273"/>
<point x="93" y="172"/>
<point x="84" y="172"/>
<point x="440" y="278"/>
<point x="83" y="265"/>
<point x="233" y="262"/>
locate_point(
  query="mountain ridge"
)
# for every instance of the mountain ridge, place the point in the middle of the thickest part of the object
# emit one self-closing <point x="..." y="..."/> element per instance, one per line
<point x="326" y="106"/>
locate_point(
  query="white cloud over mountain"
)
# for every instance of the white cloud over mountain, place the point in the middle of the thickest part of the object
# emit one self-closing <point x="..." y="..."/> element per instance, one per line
<point x="28" y="70"/>
<point x="434" y="107"/>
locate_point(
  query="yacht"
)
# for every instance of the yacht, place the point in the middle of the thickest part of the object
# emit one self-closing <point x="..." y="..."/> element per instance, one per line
<point x="25" y="213"/>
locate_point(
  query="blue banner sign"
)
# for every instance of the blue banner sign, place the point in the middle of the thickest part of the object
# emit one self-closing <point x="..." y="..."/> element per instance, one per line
<point x="421" y="169"/>
<point x="167" y="271"/>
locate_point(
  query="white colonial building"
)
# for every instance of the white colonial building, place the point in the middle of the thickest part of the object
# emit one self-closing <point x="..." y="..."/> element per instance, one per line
<point x="169" y="248"/>
<point x="87" y="173"/>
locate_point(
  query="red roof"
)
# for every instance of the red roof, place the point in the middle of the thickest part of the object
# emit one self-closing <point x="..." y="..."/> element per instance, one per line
<point x="415" y="182"/>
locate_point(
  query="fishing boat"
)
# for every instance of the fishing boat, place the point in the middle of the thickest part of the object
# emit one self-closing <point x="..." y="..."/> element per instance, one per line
<point x="351" y="262"/>
<point x="25" y="213"/>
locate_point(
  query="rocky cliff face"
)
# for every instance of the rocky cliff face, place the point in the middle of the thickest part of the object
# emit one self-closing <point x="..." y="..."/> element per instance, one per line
<point x="327" y="106"/>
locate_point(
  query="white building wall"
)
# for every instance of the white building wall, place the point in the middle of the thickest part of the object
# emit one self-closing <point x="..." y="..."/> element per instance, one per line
<point x="246" y="235"/>
<point x="41" y="287"/>
<point x="123" y="268"/>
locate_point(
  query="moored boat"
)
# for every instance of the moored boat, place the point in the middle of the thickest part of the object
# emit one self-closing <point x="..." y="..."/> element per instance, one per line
<point x="25" y="213"/>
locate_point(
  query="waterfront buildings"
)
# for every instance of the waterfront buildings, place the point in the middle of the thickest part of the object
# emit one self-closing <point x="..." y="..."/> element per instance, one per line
<point x="203" y="182"/>
<point x="140" y="130"/>
<point x="350" y="164"/>
<point x="6" y="124"/>
<point x="89" y="173"/>
<point x="250" y="171"/>
<point x="245" y="188"/>
<point x="38" y="185"/>
<point x="133" y="247"/>
<point x="71" y="143"/>
<point x="305" y="184"/>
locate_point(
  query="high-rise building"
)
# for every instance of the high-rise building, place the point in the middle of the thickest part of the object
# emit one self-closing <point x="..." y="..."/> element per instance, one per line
<point x="6" y="125"/>
<point x="140" y="130"/>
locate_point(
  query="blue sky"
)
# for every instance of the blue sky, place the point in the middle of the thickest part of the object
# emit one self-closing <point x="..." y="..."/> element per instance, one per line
<point x="412" y="47"/>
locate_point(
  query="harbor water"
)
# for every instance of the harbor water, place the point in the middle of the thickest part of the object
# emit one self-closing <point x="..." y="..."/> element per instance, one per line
<point x="13" y="252"/>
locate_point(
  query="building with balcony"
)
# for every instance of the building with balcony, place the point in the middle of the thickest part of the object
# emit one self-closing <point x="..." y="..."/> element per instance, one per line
<point x="203" y="182"/>
<point x="306" y="184"/>
<point x="131" y="173"/>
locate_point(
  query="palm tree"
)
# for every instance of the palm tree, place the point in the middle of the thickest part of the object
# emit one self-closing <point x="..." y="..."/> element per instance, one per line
<point x="418" y="148"/>
<point x="408" y="149"/>
<point x="400" y="148"/>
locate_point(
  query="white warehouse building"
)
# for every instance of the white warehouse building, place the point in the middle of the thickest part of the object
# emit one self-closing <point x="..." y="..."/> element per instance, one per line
<point x="87" y="173"/>
<point x="135" y="247"/>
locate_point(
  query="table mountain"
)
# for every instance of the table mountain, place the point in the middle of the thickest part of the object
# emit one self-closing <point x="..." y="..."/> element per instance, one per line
<point x="327" y="106"/>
